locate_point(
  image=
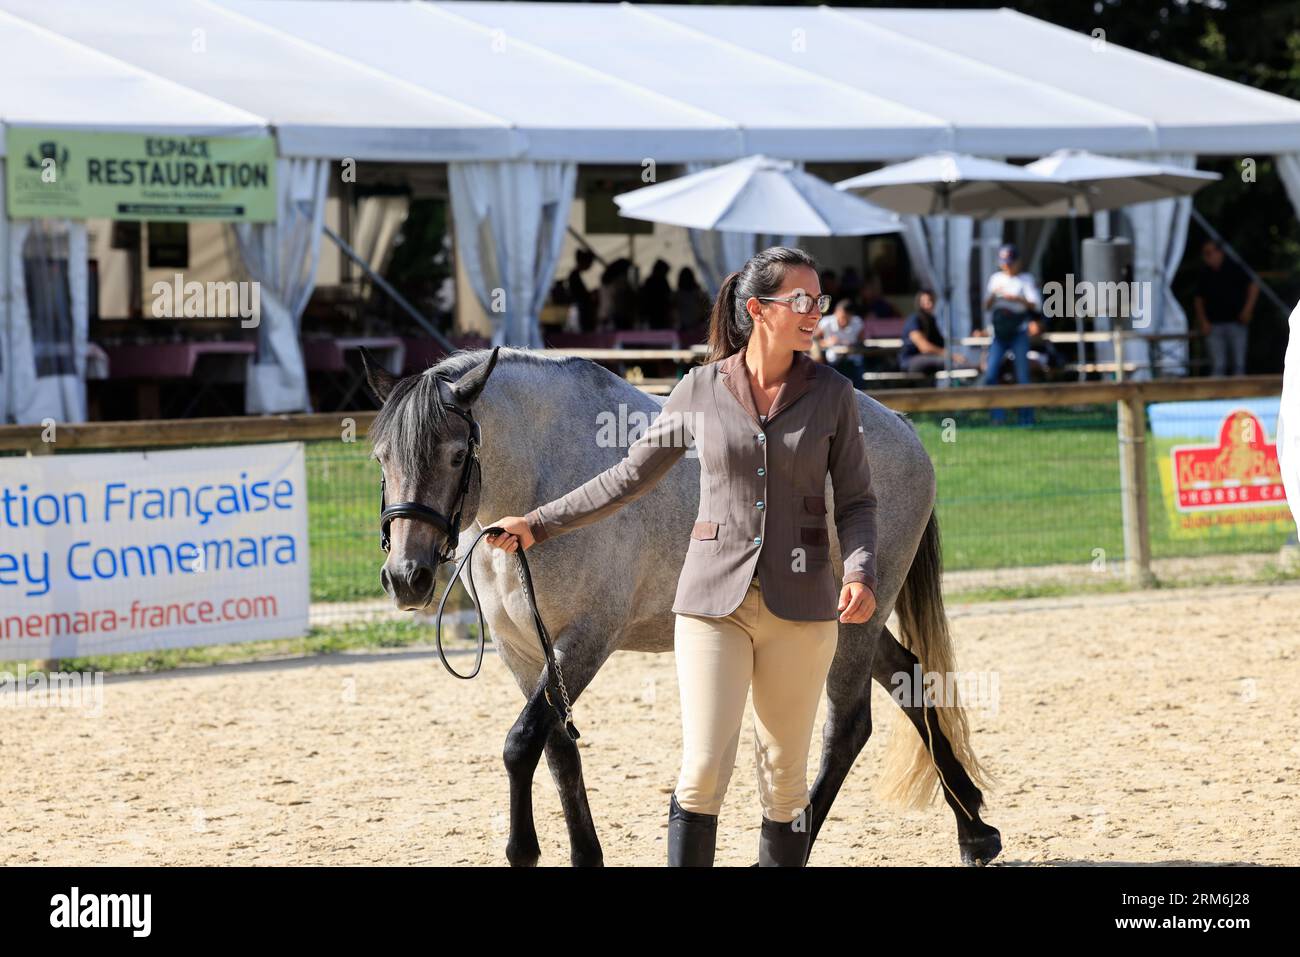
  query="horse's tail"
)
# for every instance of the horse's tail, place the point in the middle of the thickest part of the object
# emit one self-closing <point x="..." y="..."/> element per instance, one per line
<point x="909" y="776"/>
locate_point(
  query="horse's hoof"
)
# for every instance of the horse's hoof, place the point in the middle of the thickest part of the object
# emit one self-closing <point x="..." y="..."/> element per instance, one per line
<point x="523" y="858"/>
<point x="978" y="851"/>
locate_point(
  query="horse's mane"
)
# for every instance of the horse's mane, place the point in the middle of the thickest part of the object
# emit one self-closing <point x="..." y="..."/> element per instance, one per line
<point x="415" y="413"/>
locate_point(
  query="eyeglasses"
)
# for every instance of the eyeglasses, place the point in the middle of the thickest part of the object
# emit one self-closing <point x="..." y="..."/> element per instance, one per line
<point x="801" y="303"/>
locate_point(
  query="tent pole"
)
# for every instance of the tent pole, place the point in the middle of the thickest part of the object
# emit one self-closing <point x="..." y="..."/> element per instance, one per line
<point x="392" y="293"/>
<point x="1078" y="316"/>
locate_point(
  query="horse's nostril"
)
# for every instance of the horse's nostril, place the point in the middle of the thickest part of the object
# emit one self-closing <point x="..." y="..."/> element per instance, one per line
<point x="422" y="580"/>
<point x="386" y="580"/>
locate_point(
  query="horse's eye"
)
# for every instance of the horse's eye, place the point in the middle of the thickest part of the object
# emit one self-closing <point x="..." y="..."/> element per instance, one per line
<point x="458" y="458"/>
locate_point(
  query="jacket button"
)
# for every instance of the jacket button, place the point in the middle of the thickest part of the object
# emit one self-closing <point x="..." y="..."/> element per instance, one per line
<point x="761" y="438"/>
<point x="758" y="504"/>
<point x="762" y="471"/>
<point x="758" y="540"/>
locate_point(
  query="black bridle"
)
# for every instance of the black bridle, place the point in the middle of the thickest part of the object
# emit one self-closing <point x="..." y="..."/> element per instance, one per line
<point x="450" y="527"/>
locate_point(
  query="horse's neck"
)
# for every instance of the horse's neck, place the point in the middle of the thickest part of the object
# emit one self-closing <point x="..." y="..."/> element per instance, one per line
<point x="527" y="416"/>
<point x="519" y="413"/>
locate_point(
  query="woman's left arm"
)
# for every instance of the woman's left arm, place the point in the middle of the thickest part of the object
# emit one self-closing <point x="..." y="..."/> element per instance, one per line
<point x="855" y="502"/>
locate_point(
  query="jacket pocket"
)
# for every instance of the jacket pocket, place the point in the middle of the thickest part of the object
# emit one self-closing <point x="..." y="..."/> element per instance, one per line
<point x="706" y="538"/>
<point x="814" y="537"/>
<point x="814" y="504"/>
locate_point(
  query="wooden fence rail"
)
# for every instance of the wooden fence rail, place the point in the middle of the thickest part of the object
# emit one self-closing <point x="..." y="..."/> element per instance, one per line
<point x="171" y="433"/>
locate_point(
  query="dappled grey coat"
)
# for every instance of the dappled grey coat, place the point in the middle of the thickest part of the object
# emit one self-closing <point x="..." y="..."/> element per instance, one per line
<point x="762" y="489"/>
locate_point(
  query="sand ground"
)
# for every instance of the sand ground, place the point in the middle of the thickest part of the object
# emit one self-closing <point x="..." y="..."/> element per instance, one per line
<point x="1152" y="728"/>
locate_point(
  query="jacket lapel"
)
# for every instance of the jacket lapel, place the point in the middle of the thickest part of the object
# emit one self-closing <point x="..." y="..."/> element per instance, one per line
<point x="798" y="382"/>
<point x="736" y="379"/>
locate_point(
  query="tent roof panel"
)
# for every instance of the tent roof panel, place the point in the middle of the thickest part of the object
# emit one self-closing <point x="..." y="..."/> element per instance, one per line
<point x="426" y="81"/>
<point x="782" y="108"/>
<point x="568" y="110"/>
<point x="895" y="66"/>
<point x="310" y="95"/>
<point x="48" y="80"/>
<point x="1187" y="109"/>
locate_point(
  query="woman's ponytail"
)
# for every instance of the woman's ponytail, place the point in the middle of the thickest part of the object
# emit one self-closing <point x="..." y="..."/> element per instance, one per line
<point x="725" y="333"/>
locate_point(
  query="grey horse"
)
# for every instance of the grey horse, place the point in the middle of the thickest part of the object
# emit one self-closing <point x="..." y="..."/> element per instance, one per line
<point x="547" y="425"/>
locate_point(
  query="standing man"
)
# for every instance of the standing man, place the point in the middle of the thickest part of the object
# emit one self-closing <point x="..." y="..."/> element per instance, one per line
<point x="1224" y="303"/>
<point x="582" y="297"/>
<point x="1013" y="302"/>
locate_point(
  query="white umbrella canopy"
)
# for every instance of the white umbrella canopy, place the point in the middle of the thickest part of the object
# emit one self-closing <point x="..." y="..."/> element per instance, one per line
<point x="956" y="184"/>
<point x="758" y="194"/>
<point x="1108" y="182"/>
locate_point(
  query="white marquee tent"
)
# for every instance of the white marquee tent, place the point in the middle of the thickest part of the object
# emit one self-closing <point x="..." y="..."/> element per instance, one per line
<point x="513" y="96"/>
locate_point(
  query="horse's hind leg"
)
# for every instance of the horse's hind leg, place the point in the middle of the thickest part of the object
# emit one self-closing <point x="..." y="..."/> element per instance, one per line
<point x="979" y="842"/>
<point x="848" y="719"/>
<point x="579" y="667"/>
<point x="566" y="769"/>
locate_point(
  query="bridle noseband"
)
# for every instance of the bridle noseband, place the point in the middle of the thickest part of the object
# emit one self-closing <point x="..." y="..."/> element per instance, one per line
<point x="450" y="527"/>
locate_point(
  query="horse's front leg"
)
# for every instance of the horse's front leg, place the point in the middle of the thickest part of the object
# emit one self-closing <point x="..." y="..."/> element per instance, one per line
<point x="523" y="750"/>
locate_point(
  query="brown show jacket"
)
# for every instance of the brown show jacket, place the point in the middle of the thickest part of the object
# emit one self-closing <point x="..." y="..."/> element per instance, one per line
<point x="762" y="489"/>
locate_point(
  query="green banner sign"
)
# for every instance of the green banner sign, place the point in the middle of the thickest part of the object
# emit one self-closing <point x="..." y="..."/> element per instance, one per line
<point x="80" y="175"/>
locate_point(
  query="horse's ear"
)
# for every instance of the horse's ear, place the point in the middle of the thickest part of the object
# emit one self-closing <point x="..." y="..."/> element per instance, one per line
<point x="378" y="379"/>
<point x="467" y="387"/>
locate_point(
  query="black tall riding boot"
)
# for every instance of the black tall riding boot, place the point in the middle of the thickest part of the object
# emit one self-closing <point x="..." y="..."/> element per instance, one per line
<point x="691" y="836"/>
<point x="784" y="845"/>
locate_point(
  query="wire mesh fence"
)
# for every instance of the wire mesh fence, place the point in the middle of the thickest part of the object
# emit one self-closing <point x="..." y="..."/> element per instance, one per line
<point x="1010" y="497"/>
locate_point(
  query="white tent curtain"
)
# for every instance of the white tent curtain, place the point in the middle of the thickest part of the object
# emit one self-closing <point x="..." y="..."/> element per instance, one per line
<point x="1159" y="233"/>
<point x="932" y="242"/>
<point x="46" y="320"/>
<point x="282" y="257"/>
<point x="1288" y="167"/>
<point x="719" y="253"/>
<point x="510" y="220"/>
<point x="989" y="232"/>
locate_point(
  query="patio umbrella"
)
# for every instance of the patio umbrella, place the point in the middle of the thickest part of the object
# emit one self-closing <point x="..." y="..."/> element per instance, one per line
<point x="955" y="184"/>
<point x="1104" y="183"/>
<point x="758" y="194"/>
<point x="1108" y="182"/>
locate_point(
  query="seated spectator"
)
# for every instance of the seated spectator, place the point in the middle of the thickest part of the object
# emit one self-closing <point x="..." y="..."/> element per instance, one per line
<point x="616" y="298"/>
<point x="873" y="300"/>
<point x="830" y="284"/>
<point x="690" y="302"/>
<point x="838" y="333"/>
<point x="923" y="350"/>
<point x="655" y="298"/>
<point x="850" y="284"/>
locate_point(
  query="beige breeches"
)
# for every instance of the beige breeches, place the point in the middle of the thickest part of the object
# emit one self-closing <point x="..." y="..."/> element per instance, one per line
<point x="717" y="660"/>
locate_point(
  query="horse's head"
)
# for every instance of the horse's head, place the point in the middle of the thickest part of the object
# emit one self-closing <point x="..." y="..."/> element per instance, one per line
<point x="424" y="438"/>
